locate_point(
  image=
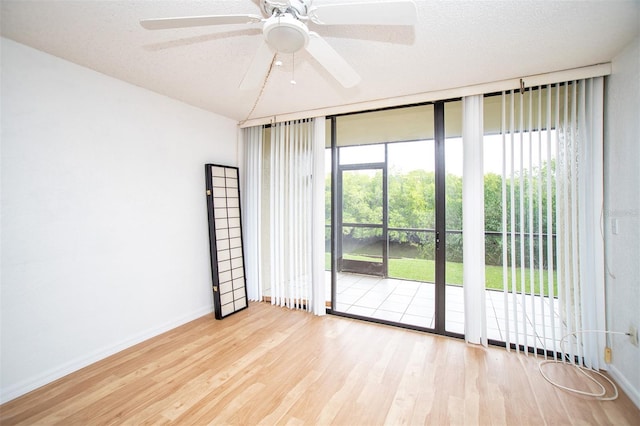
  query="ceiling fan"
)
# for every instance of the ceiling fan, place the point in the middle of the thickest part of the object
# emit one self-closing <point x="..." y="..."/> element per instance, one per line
<point x="285" y="30"/>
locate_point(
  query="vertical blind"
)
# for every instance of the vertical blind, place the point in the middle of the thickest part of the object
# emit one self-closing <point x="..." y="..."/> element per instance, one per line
<point x="251" y="197"/>
<point x="280" y="199"/>
<point x="475" y="329"/>
<point x="290" y="219"/>
<point x="552" y="182"/>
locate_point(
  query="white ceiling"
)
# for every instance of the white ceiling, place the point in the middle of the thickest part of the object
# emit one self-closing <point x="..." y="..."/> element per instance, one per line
<point x="453" y="44"/>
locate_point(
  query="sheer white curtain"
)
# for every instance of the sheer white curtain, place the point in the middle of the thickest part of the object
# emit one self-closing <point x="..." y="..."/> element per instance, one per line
<point x="553" y="256"/>
<point x="280" y="217"/>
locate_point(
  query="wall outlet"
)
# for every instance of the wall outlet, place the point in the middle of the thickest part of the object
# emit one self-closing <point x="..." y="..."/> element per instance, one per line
<point x="607" y="355"/>
<point x="633" y="335"/>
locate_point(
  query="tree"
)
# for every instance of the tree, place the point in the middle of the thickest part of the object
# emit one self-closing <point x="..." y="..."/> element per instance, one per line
<point x="412" y="205"/>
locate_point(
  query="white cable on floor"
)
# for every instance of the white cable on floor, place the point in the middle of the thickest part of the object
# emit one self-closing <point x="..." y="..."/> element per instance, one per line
<point x="583" y="370"/>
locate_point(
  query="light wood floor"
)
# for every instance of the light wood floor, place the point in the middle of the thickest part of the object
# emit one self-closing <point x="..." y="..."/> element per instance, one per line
<point x="268" y="365"/>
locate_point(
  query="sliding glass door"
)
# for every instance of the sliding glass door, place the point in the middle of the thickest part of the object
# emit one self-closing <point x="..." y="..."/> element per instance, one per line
<point x="389" y="201"/>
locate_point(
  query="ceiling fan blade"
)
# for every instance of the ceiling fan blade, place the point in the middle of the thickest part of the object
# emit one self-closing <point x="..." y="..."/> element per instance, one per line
<point x="198" y="21"/>
<point x="393" y="12"/>
<point x="258" y="68"/>
<point x="332" y="61"/>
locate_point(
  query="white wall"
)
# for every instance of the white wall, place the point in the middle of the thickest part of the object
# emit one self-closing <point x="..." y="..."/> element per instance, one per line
<point x="104" y="227"/>
<point x="622" y="203"/>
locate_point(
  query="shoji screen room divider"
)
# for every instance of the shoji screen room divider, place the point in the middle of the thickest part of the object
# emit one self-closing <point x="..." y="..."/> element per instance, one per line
<point x="225" y="240"/>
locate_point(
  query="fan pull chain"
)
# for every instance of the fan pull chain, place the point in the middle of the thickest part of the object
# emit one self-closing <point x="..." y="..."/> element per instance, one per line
<point x="293" y="69"/>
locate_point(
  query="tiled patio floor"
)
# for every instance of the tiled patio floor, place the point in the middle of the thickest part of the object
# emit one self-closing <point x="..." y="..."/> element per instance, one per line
<point x="412" y="302"/>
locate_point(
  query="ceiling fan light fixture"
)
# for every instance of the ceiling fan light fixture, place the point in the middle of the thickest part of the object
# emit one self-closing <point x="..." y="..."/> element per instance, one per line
<point x="285" y="33"/>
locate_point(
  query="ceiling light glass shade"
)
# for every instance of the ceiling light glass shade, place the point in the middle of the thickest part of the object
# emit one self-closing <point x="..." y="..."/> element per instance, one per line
<point x="285" y="33"/>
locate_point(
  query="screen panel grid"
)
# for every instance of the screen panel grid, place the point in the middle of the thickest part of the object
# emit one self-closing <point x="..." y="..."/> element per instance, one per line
<point x="225" y="229"/>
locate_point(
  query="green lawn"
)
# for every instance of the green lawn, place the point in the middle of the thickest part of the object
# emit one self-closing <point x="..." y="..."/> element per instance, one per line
<point x="424" y="270"/>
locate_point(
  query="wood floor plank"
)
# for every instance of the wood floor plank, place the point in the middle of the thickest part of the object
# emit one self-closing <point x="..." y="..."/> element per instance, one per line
<point x="343" y="377"/>
<point x="269" y="365"/>
<point x="406" y="395"/>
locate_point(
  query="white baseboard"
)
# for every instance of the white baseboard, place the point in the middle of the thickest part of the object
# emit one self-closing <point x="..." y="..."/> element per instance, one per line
<point x="625" y="385"/>
<point x="32" y="383"/>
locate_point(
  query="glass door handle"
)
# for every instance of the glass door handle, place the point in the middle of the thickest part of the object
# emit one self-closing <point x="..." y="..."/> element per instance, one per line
<point x="437" y="241"/>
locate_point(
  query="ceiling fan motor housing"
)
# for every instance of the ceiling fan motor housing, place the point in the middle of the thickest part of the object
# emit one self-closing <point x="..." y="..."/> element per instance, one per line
<point x="285" y="33"/>
<point x="299" y="8"/>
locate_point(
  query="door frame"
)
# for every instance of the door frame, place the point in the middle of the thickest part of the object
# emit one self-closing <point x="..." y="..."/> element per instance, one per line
<point x="441" y="219"/>
<point x="440" y="225"/>
<point x="360" y="266"/>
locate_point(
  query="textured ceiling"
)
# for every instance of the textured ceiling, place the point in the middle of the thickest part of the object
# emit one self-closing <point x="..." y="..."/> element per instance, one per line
<point x="453" y="44"/>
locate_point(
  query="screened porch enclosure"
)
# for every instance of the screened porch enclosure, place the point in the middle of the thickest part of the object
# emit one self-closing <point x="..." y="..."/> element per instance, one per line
<point x="397" y="177"/>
